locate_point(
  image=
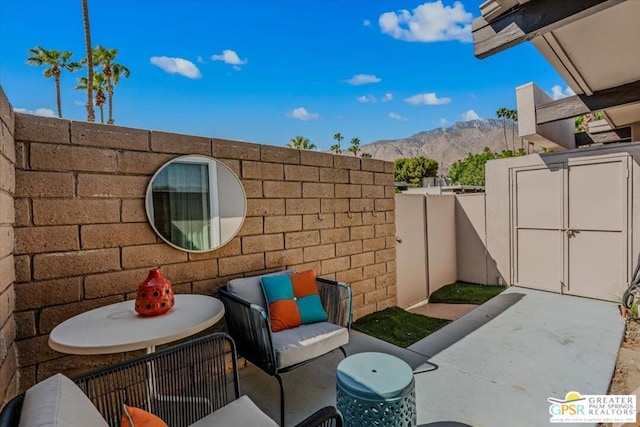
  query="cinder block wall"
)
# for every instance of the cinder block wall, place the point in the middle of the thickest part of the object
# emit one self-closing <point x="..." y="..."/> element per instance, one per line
<point x="8" y="359"/>
<point x="82" y="239"/>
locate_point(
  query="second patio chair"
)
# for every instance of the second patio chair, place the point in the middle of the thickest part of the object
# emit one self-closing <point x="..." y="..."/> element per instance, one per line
<point x="249" y="324"/>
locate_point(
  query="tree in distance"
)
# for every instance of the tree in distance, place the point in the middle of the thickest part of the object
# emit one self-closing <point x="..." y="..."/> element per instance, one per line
<point x="412" y="170"/>
<point x="99" y="86"/>
<point x="55" y="61"/>
<point x="301" y="143"/>
<point x="470" y="170"/>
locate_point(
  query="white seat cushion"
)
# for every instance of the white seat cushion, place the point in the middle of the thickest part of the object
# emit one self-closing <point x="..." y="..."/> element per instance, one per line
<point x="57" y="402"/>
<point x="306" y="342"/>
<point x="240" y="412"/>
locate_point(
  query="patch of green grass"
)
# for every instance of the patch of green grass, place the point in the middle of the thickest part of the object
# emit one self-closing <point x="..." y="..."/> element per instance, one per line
<point x="465" y="293"/>
<point x="398" y="326"/>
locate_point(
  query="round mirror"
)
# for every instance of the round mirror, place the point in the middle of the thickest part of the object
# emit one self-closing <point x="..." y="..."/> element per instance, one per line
<point x="195" y="203"/>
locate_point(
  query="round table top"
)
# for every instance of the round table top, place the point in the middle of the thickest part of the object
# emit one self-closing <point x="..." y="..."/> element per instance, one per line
<point x="117" y="327"/>
<point x="373" y="376"/>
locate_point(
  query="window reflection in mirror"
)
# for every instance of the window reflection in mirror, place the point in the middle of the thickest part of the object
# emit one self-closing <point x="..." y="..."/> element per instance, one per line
<point x="195" y="203"/>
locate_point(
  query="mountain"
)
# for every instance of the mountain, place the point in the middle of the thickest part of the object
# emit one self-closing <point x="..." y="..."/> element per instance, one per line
<point x="446" y="145"/>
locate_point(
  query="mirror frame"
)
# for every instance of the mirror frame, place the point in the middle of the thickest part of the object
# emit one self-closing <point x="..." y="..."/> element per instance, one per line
<point x="148" y="199"/>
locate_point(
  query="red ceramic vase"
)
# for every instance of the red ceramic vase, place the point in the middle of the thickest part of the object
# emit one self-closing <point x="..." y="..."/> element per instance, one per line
<point x="155" y="295"/>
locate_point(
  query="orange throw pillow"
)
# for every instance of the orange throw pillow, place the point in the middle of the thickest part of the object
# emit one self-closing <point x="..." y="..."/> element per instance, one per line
<point x="136" y="417"/>
<point x="293" y="300"/>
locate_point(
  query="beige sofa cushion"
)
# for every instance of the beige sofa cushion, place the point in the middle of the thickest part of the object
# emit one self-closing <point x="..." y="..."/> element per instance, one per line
<point x="58" y="402"/>
<point x="240" y="412"/>
<point x="306" y="342"/>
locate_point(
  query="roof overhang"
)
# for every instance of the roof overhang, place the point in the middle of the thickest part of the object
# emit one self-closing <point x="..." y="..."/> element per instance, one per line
<point x="593" y="44"/>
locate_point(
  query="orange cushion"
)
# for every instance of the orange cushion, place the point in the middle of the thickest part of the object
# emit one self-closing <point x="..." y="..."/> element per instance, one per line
<point x="284" y="314"/>
<point x="293" y="300"/>
<point x="136" y="417"/>
<point x="304" y="283"/>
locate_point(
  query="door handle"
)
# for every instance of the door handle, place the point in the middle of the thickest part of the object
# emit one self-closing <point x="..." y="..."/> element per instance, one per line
<point x="399" y="240"/>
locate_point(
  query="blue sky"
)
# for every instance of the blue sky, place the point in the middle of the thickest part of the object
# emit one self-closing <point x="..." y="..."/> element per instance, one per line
<point x="265" y="71"/>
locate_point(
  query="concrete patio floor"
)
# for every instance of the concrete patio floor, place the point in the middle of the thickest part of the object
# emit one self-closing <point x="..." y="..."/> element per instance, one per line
<point x="496" y="365"/>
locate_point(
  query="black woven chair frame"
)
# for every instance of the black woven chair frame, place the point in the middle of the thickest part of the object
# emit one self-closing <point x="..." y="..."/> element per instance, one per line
<point x="250" y="327"/>
<point x="180" y="384"/>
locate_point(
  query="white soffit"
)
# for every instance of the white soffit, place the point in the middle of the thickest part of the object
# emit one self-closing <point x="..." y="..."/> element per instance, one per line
<point x="599" y="51"/>
<point x="624" y="115"/>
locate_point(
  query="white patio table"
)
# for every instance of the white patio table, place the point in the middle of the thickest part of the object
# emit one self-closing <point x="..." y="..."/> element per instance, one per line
<point x="117" y="328"/>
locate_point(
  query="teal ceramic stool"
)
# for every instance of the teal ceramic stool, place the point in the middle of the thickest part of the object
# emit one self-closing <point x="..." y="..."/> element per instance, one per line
<point x="376" y="389"/>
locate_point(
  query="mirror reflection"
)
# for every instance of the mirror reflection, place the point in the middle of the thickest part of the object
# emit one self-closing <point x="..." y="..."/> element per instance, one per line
<point x="195" y="203"/>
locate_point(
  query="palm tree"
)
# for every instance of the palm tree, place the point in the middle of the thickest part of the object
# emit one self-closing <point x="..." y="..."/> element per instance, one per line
<point x="355" y="146"/>
<point x="502" y="113"/>
<point x="56" y="61"/>
<point x="513" y="115"/>
<point x="336" y="147"/>
<point x="301" y="143"/>
<point x="91" y="117"/>
<point x="112" y="72"/>
<point x="99" y="84"/>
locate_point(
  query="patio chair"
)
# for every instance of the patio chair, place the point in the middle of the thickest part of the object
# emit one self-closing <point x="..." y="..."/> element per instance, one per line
<point x="194" y="383"/>
<point x="279" y="352"/>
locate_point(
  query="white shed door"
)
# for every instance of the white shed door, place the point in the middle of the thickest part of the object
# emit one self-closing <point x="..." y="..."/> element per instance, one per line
<point x="597" y="235"/>
<point x="570" y="227"/>
<point x="538" y="223"/>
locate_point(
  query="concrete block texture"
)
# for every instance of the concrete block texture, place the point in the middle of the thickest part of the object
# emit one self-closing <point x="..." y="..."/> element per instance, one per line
<point x="314" y="158"/>
<point x="76" y="263"/>
<point x="75" y="211"/>
<point x="225" y="149"/>
<point x="56" y="157"/>
<point x="269" y="153"/>
<point x="98" y="135"/>
<point x="44" y="184"/>
<point x="7" y="143"/>
<point x="81" y="231"/>
<point x="42" y="129"/>
<point x="8" y="356"/>
<point x="7" y="115"/>
<point x="165" y="142"/>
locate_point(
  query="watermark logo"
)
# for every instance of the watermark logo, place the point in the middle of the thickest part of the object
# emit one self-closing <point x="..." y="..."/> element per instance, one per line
<point x="577" y="408"/>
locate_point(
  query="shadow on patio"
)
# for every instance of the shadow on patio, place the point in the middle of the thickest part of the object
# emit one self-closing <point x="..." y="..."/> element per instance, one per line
<point x="496" y="365"/>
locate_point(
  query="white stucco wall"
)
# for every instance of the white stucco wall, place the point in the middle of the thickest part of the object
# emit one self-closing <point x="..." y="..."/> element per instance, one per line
<point x="498" y="200"/>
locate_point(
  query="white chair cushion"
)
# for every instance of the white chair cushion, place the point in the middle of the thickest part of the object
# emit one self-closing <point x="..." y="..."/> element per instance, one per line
<point x="250" y="288"/>
<point x="240" y="412"/>
<point x="58" y="402"/>
<point x="307" y="342"/>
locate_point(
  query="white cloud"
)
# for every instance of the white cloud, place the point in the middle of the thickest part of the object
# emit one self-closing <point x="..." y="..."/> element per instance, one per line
<point x="177" y="66"/>
<point x="363" y="79"/>
<point x="301" y="113"/>
<point x="558" y="93"/>
<point x="398" y="117"/>
<point x="429" y="22"/>
<point x="366" y="23"/>
<point x="42" y="112"/>
<point x="443" y="122"/>
<point x="427" y="99"/>
<point x="200" y="59"/>
<point x="80" y="103"/>
<point x="229" y="57"/>
<point x="372" y="99"/>
<point x="366" y="98"/>
<point x="470" y="115"/>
